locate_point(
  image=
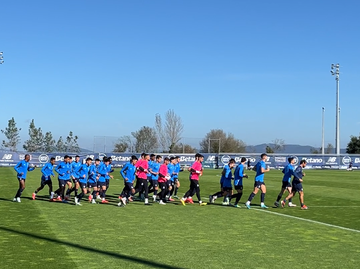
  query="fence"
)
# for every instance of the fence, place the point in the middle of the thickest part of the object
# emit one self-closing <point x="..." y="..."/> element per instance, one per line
<point x="211" y="160"/>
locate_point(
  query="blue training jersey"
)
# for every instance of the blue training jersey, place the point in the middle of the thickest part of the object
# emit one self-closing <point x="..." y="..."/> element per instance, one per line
<point x="102" y="171"/>
<point x="155" y="168"/>
<point x="298" y="174"/>
<point x="260" y="175"/>
<point x="150" y="164"/>
<point x="47" y="171"/>
<point x="177" y="170"/>
<point x="83" y="173"/>
<point x="22" y="168"/>
<point x="92" y="173"/>
<point x="238" y="175"/>
<point x="171" y="170"/>
<point x="75" y="166"/>
<point x="64" y="170"/>
<point x="109" y="170"/>
<point x="226" y="177"/>
<point x="128" y="173"/>
<point x="288" y="171"/>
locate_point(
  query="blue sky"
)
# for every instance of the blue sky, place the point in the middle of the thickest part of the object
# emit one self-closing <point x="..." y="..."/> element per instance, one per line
<point x="257" y="69"/>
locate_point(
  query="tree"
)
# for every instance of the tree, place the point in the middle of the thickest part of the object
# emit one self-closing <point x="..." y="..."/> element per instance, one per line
<point x="12" y="135"/>
<point x="35" y="143"/>
<point x="49" y="142"/>
<point x="183" y="148"/>
<point x="269" y="149"/>
<point x="60" y="145"/>
<point x="353" y="147"/>
<point x="228" y="143"/>
<point x="123" y="144"/>
<point x="315" y="151"/>
<point x="169" y="133"/>
<point x="160" y="133"/>
<point x="146" y="139"/>
<point x="71" y="143"/>
<point x="329" y="148"/>
<point x="279" y="145"/>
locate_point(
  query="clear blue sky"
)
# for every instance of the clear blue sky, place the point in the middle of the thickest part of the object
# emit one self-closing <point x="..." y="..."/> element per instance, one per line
<point x="257" y="69"/>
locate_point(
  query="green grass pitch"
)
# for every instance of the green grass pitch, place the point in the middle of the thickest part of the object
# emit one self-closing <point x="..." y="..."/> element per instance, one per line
<point x="43" y="234"/>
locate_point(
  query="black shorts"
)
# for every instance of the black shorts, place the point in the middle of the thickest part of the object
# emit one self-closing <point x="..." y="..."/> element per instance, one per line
<point x="297" y="187"/>
<point x="46" y="182"/>
<point x="228" y="189"/>
<point x="83" y="185"/>
<point x="62" y="182"/>
<point x="129" y="185"/>
<point x="101" y="184"/>
<point x="258" y="184"/>
<point x="21" y="178"/>
<point x="238" y="187"/>
<point x="286" y="184"/>
<point x="91" y="184"/>
<point x="76" y="180"/>
<point x="170" y="183"/>
<point x="176" y="180"/>
<point x="155" y="183"/>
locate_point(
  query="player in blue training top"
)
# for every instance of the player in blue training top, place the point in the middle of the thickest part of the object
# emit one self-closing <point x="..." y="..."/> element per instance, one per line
<point x="64" y="172"/>
<point x="128" y="174"/>
<point x="176" y="176"/>
<point x="297" y="185"/>
<point x="75" y="166"/>
<point x="226" y="178"/>
<point x="154" y="170"/>
<point x="103" y="173"/>
<point x="150" y="163"/>
<point x="110" y="170"/>
<point x="170" y="183"/>
<point x="83" y="174"/>
<point x="21" y="169"/>
<point x="238" y="181"/>
<point x="260" y="169"/>
<point x="92" y="181"/>
<point x="288" y="172"/>
<point x="47" y="172"/>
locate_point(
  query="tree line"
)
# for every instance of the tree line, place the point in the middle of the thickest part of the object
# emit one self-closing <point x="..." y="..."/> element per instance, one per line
<point x="164" y="136"/>
<point x="38" y="141"/>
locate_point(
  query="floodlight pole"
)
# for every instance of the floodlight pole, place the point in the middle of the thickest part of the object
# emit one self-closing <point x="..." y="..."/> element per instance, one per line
<point x="1" y="57"/>
<point x="323" y="133"/>
<point x="335" y="71"/>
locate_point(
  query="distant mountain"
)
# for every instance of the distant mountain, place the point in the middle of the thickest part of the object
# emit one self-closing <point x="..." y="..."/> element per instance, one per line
<point x="289" y="149"/>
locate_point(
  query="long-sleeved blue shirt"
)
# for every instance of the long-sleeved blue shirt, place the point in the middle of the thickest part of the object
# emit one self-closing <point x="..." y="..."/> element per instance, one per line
<point x="103" y="172"/>
<point x="128" y="173"/>
<point x="64" y="170"/>
<point x="288" y="171"/>
<point x="47" y="171"/>
<point x="298" y="174"/>
<point x="75" y="166"/>
<point x="83" y="173"/>
<point x="92" y="173"/>
<point x="226" y="177"/>
<point x="22" y="168"/>
<point x="171" y="170"/>
<point x="177" y="170"/>
<point x="109" y="170"/>
<point x="238" y="175"/>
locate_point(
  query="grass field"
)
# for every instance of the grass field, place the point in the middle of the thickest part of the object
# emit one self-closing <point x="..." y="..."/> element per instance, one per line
<point x="40" y="234"/>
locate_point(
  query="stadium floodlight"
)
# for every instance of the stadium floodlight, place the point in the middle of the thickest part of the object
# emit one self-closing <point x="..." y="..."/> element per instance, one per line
<point x="323" y="133"/>
<point x="1" y="57"/>
<point x="335" y="71"/>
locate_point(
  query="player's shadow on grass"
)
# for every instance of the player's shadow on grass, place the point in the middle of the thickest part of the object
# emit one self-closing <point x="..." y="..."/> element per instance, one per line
<point x="90" y="249"/>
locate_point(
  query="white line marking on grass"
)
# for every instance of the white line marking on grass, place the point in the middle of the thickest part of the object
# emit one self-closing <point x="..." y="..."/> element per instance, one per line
<point x="308" y="220"/>
<point x="338" y="206"/>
